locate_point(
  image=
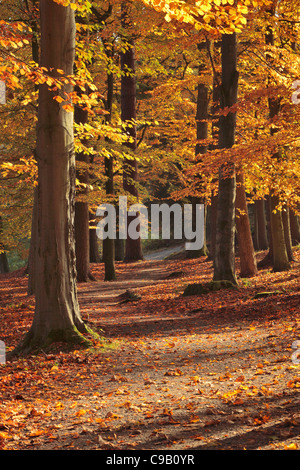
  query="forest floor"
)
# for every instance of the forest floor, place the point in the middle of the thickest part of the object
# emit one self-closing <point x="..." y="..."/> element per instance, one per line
<point x="173" y="372"/>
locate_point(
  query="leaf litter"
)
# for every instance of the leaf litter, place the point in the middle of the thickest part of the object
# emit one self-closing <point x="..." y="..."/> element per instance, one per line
<point x="212" y="371"/>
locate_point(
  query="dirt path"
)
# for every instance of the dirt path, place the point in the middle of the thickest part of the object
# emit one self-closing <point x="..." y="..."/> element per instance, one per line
<point x="182" y="373"/>
<point x="163" y="253"/>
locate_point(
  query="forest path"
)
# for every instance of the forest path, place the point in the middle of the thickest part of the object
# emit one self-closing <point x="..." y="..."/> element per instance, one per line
<point x="213" y="371"/>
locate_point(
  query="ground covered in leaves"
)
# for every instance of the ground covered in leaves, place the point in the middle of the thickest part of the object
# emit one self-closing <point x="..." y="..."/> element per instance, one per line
<point x="215" y="371"/>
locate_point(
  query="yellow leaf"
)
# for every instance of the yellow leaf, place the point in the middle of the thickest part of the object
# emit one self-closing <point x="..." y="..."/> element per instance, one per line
<point x="291" y="447"/>
<point x="36" y="433"/>
<point x="195" y="379"/>
<point x="59" y="99"/>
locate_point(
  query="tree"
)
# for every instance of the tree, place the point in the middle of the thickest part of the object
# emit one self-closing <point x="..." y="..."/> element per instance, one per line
<point x="128" y="115"/>
<point x="4" y="267"/>
<point x="224" y="260"/>
<point x="248" y="266"/>
<point x="201" y="148"/>
<point x="280" y="255"/>
<point x="57" y="314"/>
<point x="260" y="225"/>
<point x="82" y="236"/>
<point x="109" y="243"/>
<point x="295" y="227"/>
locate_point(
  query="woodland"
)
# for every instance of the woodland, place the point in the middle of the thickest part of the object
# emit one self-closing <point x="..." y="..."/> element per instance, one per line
<point x="141" y="343"/>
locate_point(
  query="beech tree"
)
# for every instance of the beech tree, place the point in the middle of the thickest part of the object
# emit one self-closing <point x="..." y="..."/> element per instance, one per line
<point x="57" y="314"/>
<point x="224" y="260"/>
<point x="133" y="249"/>
<point x="160" y="87"/>
<point x="279" y="248"/>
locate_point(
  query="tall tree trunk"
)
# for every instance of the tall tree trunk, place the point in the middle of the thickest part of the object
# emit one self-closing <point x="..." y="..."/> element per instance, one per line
<point x="4" y="267"/>
<point x="57" y="315"/>
<point x="94" y="249"/>
<point x="215" y="133"/>
<point x="280" y="256"/>
<point x="133" y="250"/>
<point x="109" y="243"/>
<point x="248" y="267"/>
<point x="224" y="261"/>
<point x="93" y="239"/>
<point x="261" y="224"/>
<point x="202" y="134"/>
<point x="295" y="227"/>
<point x="82" y="236"/>
<point x="32" y="247"/>
<point x="267" y="260"/>
<point x="287" y="232"/>
<point x="33" y="235"/>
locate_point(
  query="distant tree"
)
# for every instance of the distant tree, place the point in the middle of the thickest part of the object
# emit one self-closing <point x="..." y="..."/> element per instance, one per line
<point x="133" y="249"/>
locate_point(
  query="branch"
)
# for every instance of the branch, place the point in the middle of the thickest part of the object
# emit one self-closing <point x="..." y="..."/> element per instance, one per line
<point x="102" y="17"/>
<point x="143" y="135"/>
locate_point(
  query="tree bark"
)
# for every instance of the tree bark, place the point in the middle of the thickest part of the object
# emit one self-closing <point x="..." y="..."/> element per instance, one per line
<point x="280" y="257"/>
<point x="214" y="132"/>
<point x="248" y="266"/>
<point x="94" y="249"/>
<point x="261" y="224"/>
<point x="133" y="249"/>
<point x="57" y="315"/>
<point x="82" y="236"/>
<point x="287" y="232"/>
<point x="4" y="267"/>
<point x="224" y="260"/>
<point x="32" y="247"/>
<point x="202" y="134"/>
<point x="109" y="243"/>
<point x="295" y="227"/>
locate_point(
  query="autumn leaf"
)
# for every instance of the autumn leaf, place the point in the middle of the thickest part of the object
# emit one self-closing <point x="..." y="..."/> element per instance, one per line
<point x="292" y="446"/>
<point x="174" y="373"/>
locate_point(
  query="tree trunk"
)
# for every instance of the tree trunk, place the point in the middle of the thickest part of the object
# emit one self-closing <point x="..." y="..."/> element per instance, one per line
<point x="119" y="249"/>
<point x="295" y="228"/>
<point x="82" y="237"/>
<point x="109" y="243"/>
<point x="224" y="261"/>
<point x="202" y="134"/>
<point x="287" y="232"/>
<point x="94" y="249"/>
<point x="4" y="267"/>
<point x="261" y="225"/>
<point x="248" y="267"/>
<point x="213" y="225"/>
<point x="280" y="257"/>
<point x="215" y="132"/>
<point x="57" y="315"/>
<point x="267" y="260"/>
<point x="32" y="247"/>
<point x="133" y="250"/>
